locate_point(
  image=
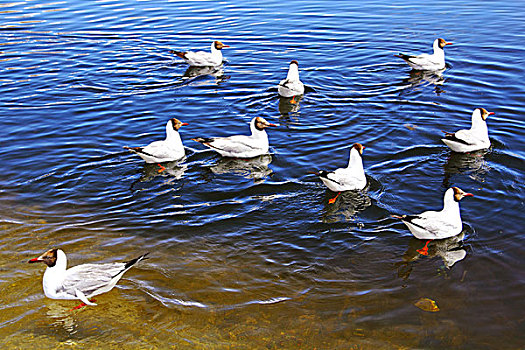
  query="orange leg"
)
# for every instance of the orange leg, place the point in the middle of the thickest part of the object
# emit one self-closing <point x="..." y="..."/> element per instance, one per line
<point x="332" y="200"/>
<point x="81" y="305"/>
<point x="293" y="101"/>
<point x="424" y="250"/>
<point x="161" y="168"/>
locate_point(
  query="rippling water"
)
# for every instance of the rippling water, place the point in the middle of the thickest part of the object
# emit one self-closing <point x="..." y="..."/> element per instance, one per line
<point x="249" y="254"/>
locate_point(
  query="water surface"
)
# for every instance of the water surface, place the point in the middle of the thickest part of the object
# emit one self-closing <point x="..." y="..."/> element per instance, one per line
<point x="249" y="254"/>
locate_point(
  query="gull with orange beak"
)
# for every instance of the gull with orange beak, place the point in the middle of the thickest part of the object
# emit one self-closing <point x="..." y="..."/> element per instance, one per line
<point x="81" y="281"/>
<point x="436" y="61"/>
<point x="167" y="150"/>
<point x="441" y="224"/>
<point x="241" y="146"/>
<point x="473" y="139"/>
<point x="202" y="58"/>
<point x="350" y="178"/>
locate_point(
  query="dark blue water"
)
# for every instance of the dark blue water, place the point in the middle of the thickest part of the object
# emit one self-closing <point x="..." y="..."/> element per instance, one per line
<point x="250" y="254"/>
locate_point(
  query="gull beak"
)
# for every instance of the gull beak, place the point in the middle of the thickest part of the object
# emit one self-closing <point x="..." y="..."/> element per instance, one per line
<point x="466" y="194"/>
<point x="184" y="124"/>
<point x="35" y="260"/>
<point x="448" y="43"/>
<point x="491" y="113"/>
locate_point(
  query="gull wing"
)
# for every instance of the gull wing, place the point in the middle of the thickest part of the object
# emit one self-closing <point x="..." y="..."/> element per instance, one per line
<point x="462" y="136"/>
<point x="200" y="58"/>
<point x="89" y="278"/>
<point x="158" y="149"/>
<point x="433" y="222"/>
<point x="232" y="144"/>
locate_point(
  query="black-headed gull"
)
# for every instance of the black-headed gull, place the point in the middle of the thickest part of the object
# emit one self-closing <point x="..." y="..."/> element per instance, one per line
<point x="436" y="61"/>
<point x="241" y="146"/>
<point x="167" y="150"/>
<point x="473" y="139"/>
<point x="441" y="224"/>
<point x="81" y="281"/>
<point x="346" y="179"/>
<point x="202" y="58"/>
<point x="291" y="86"/>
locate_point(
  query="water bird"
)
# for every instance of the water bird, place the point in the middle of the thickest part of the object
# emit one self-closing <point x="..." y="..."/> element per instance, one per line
<point x="167" y="150"/>
<point x="436" y="61"/>
<point x="431" y="225"/>
<point x="202" y="58"/>
<point x="474" y="139"/>
<point x="241" y="146"/>
<point x="82" y="281"/>
<point x="346" y="179"/>
<point x="291" y="86"/>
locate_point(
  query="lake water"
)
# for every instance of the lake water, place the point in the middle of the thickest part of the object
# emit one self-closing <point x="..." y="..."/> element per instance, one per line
<point x="248" y="254"/>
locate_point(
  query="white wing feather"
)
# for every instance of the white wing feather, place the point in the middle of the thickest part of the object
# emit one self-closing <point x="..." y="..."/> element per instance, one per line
<point x="88" y="278"/>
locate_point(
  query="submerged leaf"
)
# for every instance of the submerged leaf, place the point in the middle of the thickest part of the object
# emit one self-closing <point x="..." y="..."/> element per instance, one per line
<point x="427" y="304"/>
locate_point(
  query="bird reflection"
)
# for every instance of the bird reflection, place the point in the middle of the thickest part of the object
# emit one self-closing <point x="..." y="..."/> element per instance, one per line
<point x="418" y="77"/>
<point x="347" y="205"/>
<point x="252" y="168"/>
<point x="450" y="250"/>
<point x="289" y="105"/>
<point x="61" y="318"/>
<point x="216" y="72"/>
<point x="175" y="170"/>
<point x="472" y="163"/>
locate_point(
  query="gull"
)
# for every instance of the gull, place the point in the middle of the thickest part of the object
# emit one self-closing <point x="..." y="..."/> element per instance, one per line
<point x="202" y="58"/>
<point x="431" y="225"/>
<point x="167" y="150"/>
<point x="81" y="281"/>
<point x="241" y="146"/>
<point x="346" y="179"/>
<point x="291" y="86"/>
<point x="436" y="61"/>
<point x="473" y="139"/>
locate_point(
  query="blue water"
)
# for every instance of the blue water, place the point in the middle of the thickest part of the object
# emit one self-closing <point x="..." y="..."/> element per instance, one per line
<point x="250" y="254"/>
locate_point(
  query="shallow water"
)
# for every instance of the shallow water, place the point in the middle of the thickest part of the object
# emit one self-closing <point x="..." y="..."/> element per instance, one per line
<point x="249" y="254"/>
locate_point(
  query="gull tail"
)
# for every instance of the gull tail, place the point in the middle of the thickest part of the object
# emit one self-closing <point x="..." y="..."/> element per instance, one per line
<point x="178" y="53"/>
<point x="403" y="56"/>
<point x="134" y="261"/>
<point x="133" y="149"/>
<point x="203" y="139"/>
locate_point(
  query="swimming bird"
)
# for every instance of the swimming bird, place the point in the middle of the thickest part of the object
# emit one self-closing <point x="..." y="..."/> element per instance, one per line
<point x="202" y="58"/>
<point x="441" y="224"/>
<point x="346" y="179"/>
<point x="241" y="146"/>
<point x="436" y="61"/>
<point x="167" y="150"/>
<point x="291" y="86"/>
<point x="81" y="281"/>
<point x="473" y="139"/>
